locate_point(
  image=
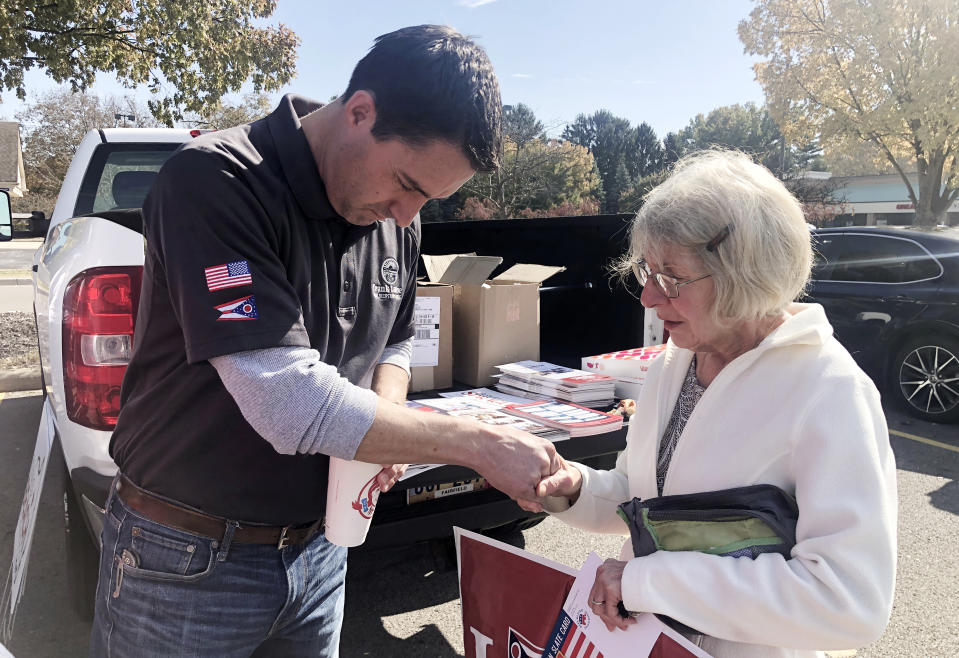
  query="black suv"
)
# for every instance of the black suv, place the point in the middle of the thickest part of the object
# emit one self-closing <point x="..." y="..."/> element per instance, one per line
<point x="892" y="297"/>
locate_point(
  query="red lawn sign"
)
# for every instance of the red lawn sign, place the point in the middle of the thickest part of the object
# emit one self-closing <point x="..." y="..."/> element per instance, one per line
<point x="519" y="605"/>
<point x="510" y="598"/>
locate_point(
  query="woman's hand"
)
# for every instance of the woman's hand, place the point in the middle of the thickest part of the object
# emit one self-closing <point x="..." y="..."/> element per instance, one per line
<point x="607" y="593"/>
<point x="566" y="480"/>
<point x="389" y="476"/>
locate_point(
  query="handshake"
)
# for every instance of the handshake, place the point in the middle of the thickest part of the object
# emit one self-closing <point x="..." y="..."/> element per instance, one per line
<point x="527" y="468"/>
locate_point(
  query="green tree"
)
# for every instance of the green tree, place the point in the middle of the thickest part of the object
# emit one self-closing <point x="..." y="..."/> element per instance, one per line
<point x="632" y="198"/>
<point x="868" y="70"/>
<point x="226" y="114"/>
<point x="537" y="175"/>
<point x="746" y="128"/>
<point x="52" y="127"/>
<point x="611" y="141"/>
<point x="672" y="149"/>
<point x="753" y="130"/>
<point x="647" y="156"/>
<point x="521" y="124"/>
<point x="188" y="53"/>
<point x="570" y="178"/>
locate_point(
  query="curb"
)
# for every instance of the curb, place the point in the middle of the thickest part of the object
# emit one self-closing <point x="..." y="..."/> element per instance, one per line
<point x="20" y="379"/>
<point x="15" y="282"/>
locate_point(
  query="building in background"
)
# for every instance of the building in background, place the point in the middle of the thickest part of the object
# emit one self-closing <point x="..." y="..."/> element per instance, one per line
<point x="880" y="200"/>
<point x="12" y="177"/>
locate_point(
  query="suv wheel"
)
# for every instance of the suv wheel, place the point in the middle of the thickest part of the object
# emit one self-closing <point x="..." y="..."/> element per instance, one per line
<point x="925" y="378"/>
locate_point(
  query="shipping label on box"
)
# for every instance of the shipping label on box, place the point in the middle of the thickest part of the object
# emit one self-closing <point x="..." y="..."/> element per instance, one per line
<point x="431" y="365"/>
<point x="426" y="331"/>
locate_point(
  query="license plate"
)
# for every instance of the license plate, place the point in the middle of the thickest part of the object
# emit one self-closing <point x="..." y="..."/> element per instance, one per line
<point x="434" y="491"/>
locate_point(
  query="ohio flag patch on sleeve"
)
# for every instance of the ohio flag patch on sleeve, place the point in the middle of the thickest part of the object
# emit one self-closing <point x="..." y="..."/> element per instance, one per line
<point x="239" y="309"/>
<point x="230" y="275"/>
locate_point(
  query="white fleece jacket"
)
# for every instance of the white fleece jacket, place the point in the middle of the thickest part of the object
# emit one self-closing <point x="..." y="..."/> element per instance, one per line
<point x="795" y="412"/>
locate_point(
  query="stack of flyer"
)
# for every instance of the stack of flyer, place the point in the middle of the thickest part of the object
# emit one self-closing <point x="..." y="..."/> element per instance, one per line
<point x="491" y="408"/>
<point x="577" y="420"/>
<point x="537" y="380"/>
<point x="626" y="367"/>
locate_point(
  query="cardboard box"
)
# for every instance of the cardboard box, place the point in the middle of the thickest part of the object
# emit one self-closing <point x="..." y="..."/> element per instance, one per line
<point x="627" y="367"/>
<point x="432" y="362"/>
<point x="494" y="321"/>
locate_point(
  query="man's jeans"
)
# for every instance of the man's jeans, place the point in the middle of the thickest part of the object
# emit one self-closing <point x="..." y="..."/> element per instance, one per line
<point x="165" y="592"/>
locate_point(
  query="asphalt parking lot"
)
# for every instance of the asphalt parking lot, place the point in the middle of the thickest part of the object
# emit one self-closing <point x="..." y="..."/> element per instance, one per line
<point x="405" y="602"/>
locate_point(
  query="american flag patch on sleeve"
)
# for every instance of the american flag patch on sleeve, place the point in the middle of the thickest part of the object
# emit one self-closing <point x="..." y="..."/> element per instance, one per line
<point x="230" y="275"/>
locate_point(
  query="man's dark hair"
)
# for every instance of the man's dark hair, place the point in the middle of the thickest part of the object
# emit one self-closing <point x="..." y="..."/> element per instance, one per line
<point x="430" y="82"/>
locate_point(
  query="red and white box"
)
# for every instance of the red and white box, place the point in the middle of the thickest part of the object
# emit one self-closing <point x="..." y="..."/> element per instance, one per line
<point x="627" y="367"/>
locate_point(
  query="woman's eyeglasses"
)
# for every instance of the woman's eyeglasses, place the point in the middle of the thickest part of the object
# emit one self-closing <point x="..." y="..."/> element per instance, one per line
<point x="667" y="284"/>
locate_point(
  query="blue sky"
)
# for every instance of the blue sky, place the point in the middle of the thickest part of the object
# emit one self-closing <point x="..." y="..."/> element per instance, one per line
<point x="661" y="61"/>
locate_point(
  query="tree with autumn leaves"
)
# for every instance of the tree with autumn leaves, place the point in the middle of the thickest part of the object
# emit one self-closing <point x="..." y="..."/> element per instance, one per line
<point x="52" y="125"/>
<point x="538" y="176"/>
<point x="882" y="72"/>
<point x="188" y="53"/>
<point x="843" y="74"/>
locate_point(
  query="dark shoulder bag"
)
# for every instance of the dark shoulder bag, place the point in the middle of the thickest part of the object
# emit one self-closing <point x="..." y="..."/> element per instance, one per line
<point x="739" y="522"/>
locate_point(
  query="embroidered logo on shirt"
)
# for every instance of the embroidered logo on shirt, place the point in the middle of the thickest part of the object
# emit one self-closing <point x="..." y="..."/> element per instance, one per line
<point x="239" y="309"/>
<point x="390" y="274"/>
<point x="390" y="271"/>
<point x="230" y="275"/>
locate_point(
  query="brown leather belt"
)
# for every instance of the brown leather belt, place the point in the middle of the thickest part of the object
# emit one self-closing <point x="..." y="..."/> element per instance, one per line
<point x="198" y="523"/>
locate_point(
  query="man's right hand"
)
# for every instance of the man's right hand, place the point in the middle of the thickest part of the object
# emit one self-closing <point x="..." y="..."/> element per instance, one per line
<point x="566" y="481"/>
<point x="515" y="462"/>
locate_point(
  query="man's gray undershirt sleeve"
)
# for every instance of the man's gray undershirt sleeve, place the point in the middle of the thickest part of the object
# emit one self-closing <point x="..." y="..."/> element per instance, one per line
<point x="399" y="354"/>
<point x="296" y="402"/>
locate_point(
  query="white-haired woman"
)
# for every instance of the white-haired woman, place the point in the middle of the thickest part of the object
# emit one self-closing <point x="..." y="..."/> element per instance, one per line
<point x="751" y="389"/>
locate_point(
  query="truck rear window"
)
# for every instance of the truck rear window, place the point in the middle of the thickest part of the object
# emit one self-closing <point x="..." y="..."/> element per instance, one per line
<point x="120" y="175"/>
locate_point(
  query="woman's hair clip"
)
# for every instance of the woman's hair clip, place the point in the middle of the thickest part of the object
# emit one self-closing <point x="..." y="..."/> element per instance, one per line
<point x="718" y="240"/>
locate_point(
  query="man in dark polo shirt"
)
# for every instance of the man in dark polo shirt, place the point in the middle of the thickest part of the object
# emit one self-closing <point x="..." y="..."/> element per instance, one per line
<point x="274" y="330"/>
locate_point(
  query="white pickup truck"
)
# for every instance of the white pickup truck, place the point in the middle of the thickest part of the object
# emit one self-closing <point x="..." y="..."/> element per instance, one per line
<point x="87" y="285"/>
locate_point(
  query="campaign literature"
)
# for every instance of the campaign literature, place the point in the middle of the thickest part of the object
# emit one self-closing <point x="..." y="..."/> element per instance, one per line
<point x="579" y="421"/>
<point x="627" y="367"/>
<point x="489" y="410"/>
<point x="485" y="393"/>
<point x="579" y="633"/>
<point x="498" y="417"/>
<point x="537" y="391"/>
<point x="541" y="378"/>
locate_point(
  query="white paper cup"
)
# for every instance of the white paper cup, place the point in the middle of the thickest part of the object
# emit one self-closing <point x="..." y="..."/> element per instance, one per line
<point x="351" y="496"/>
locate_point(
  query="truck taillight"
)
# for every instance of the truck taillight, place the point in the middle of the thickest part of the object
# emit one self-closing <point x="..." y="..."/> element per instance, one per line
<point x="99" y="313"/>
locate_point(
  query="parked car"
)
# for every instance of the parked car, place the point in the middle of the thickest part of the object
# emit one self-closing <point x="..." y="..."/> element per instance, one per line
<point x="892" y="296"/>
